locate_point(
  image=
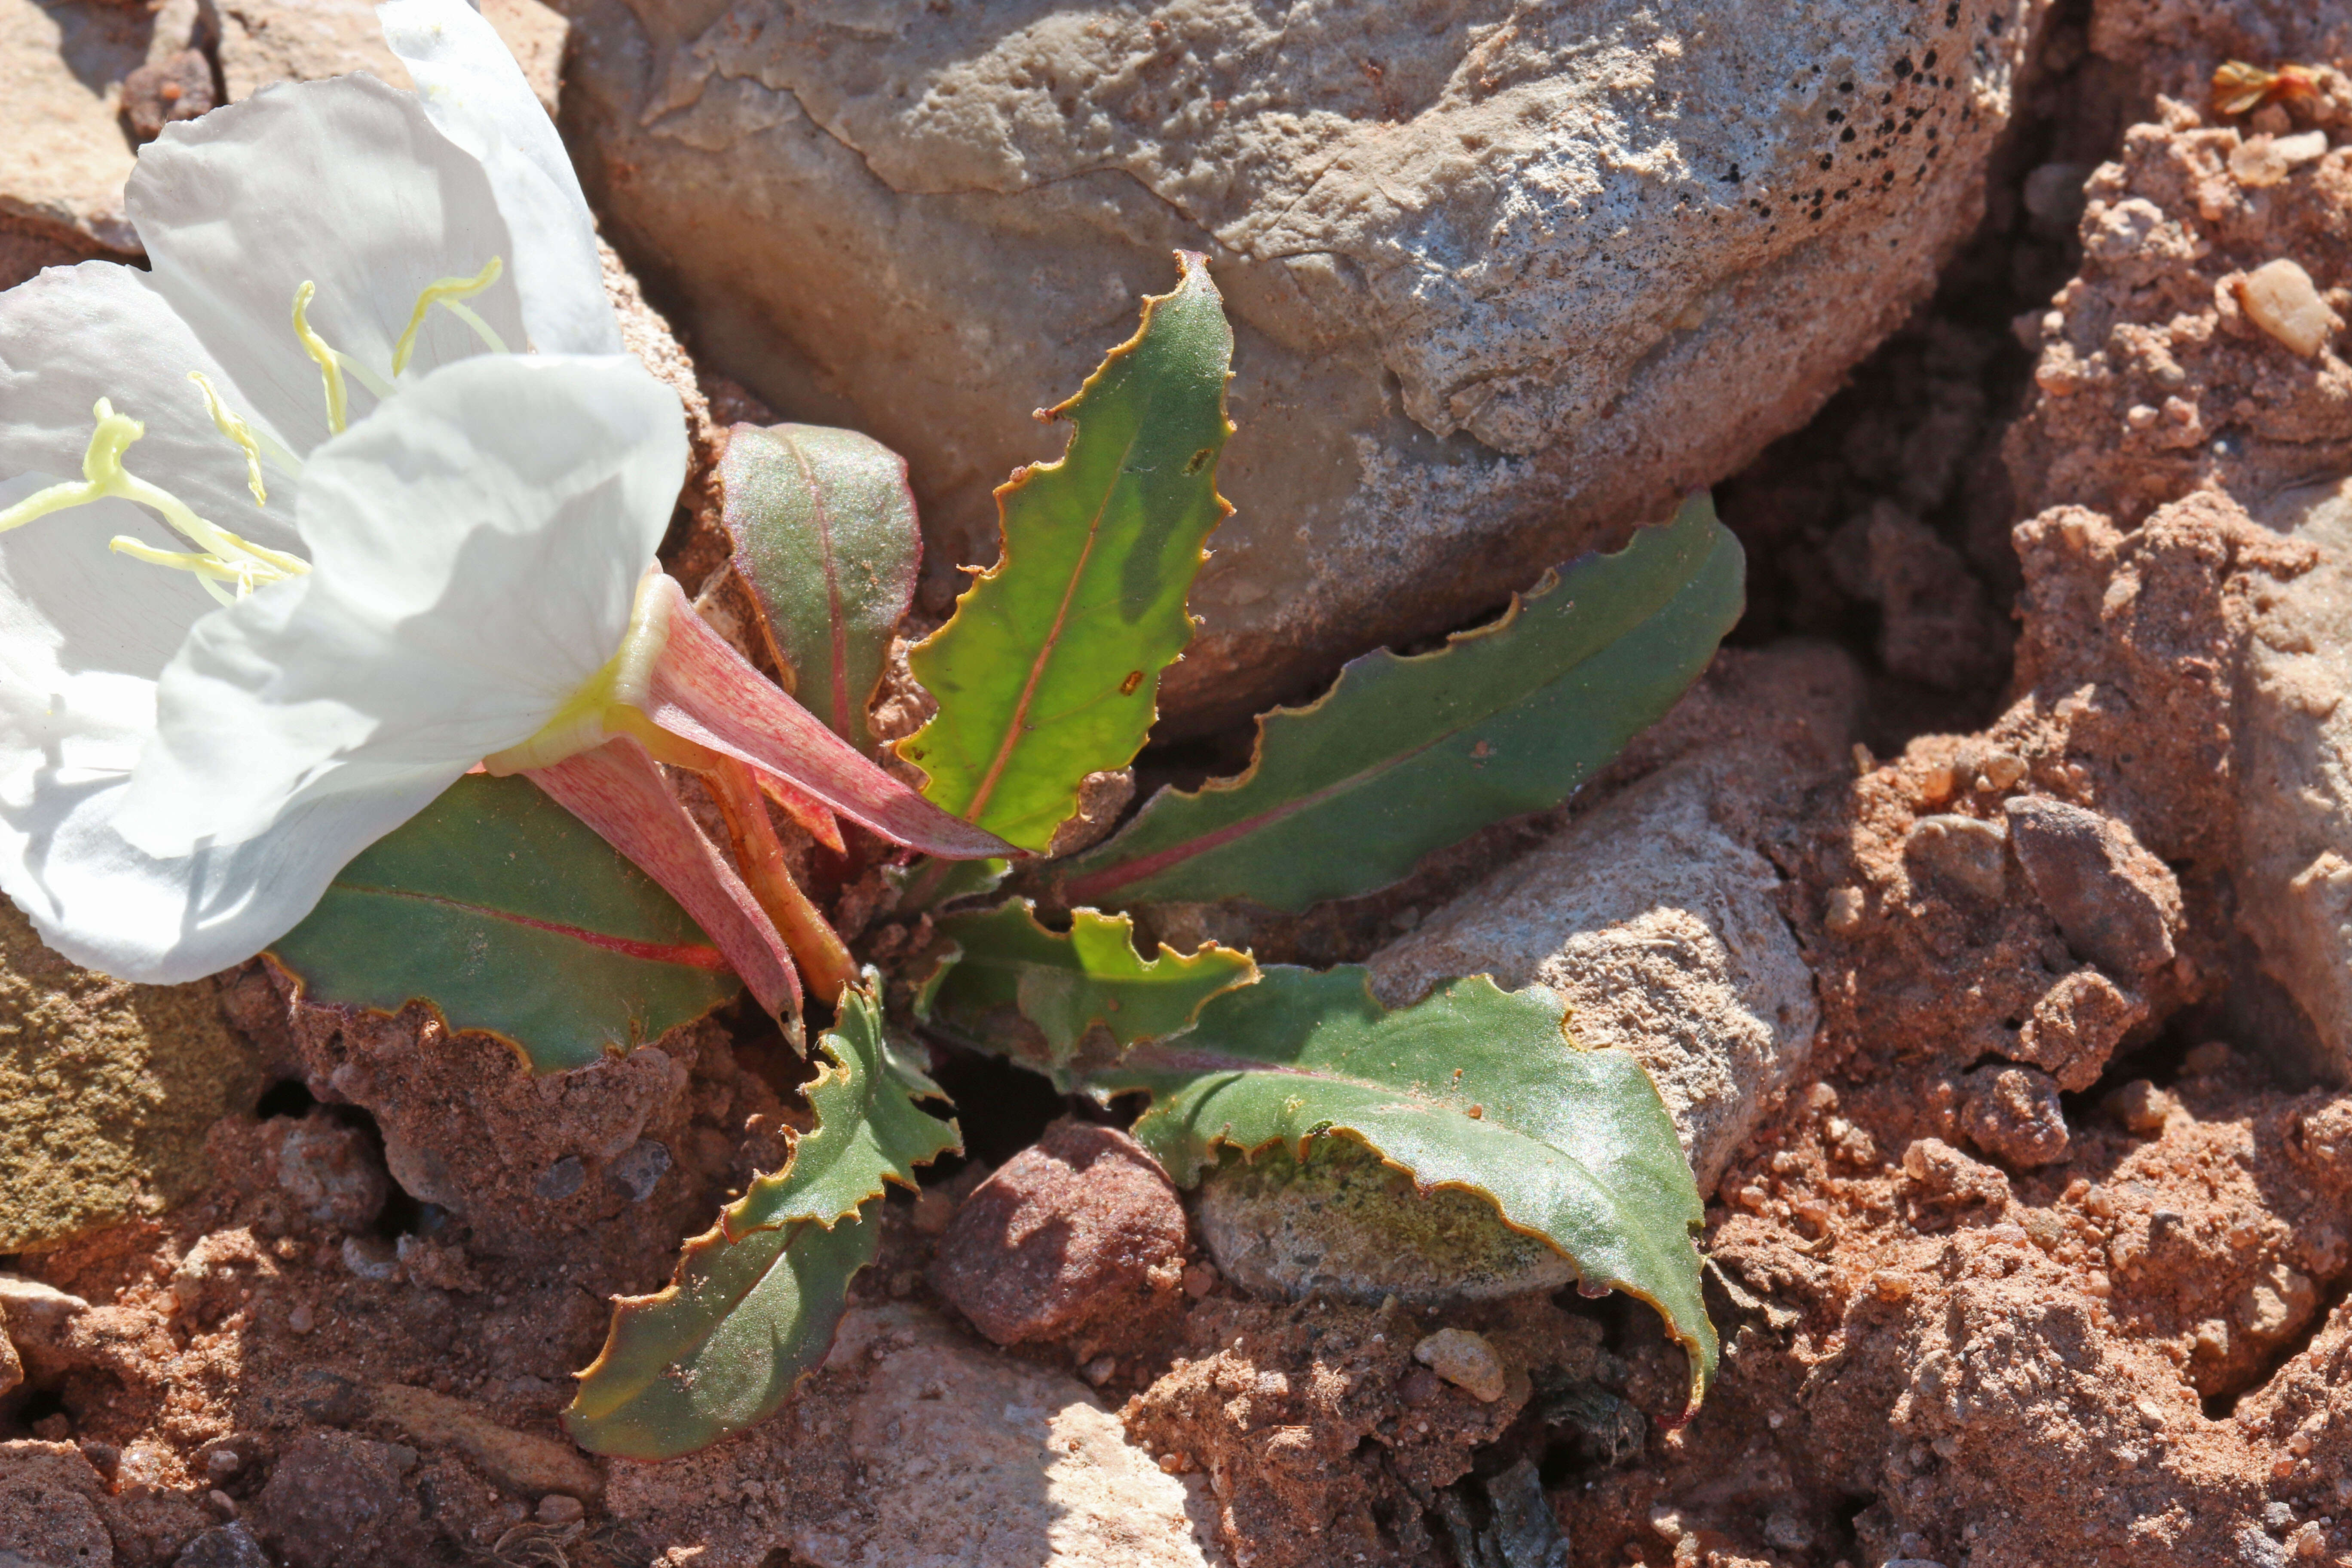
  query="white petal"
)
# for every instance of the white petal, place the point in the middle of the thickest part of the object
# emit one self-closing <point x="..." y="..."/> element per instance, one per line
<point x="107" y="906"/>
<point x="72" y="335"/>
<point x="475" y="94"/>
<point x="476" y="549"/>
<point x="342" y="182"/>
<point x="83" y="634"/>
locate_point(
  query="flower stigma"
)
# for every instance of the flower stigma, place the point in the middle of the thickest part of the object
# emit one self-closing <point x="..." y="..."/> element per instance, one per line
<point x="220" y="557"/>
<point x="331" y="364"/>
<point x="238" y="432"/>
<point x="451" y="294"/>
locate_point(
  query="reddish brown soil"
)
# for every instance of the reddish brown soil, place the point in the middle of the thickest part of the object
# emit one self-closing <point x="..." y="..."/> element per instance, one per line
<point x="2033" y="1269"/>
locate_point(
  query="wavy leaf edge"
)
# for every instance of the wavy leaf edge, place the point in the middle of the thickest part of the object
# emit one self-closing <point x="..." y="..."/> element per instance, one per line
<point x="1698" y="1340"/>
<point x="1106" y="880"/>
<point x="1193" y="271"/>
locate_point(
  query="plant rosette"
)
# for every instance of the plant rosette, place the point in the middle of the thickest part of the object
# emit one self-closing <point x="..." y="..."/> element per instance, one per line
<point x="368" y="498"/>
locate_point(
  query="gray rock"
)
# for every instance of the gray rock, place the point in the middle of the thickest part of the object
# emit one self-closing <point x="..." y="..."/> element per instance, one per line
<point x="72" y="71"/>
<point x="49" y="1513"/>
<point x="1077" y="1230"/>
<point x="638" y="1169"/>
<point x="335" y="1500"/>
<point x="1347" y="1226"/>
<point x="1655" y="915"/>
<point x="561" y="1179"/>
<point x="2116" y="904"/>
<point x="2295" y="811"/>
<point x="1491" y="268"/>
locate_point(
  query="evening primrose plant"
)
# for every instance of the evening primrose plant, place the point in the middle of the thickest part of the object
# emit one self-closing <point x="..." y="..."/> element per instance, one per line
<point x="1044" y="680"/>
<point x="332" y="627"/>
<point x="368" y="498"/>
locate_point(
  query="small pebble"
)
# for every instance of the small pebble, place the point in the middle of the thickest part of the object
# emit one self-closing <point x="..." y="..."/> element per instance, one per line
<point x="639" y="1170"/>
<point x="1100" y="1369"/>
<point x="1464" y="1360"/>
<point x="2280" y="300"/>
<point x="222" y="1503"/>
<point x="1843" y="914"/>
<point x="560" y="1179"/>
<point x="2000" y="770"/>
<point x="1200" y="1280"/>
<point x="223" y="1463"/>
<point x="556" y="1508"/>
<point x="371" y="1258"/>
<point x="1965" y="850"/>
<point x="302" y="1319"/>
<point x="2141" y="1106"/>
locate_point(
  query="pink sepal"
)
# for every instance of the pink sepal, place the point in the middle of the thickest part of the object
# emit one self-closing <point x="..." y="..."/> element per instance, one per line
<point x="803" y="808"/>
<point x="618" y="790"/>
<point x="701" y="689"/>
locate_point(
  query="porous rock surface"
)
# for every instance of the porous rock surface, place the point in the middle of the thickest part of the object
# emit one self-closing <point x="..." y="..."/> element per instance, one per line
<point x="1491" y="267"/>
<point x="106" y="1091"/>
<point x="1656" y="914"/>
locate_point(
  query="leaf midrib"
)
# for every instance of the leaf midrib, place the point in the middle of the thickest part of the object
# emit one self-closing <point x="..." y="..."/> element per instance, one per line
<point x="689" y="955"/>
<point x="1015" y="729"/>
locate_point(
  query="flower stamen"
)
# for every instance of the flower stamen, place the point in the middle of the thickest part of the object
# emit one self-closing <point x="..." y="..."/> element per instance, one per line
<point x="238" y="432"/>
<point x="331" y="364"/>
<point x="222" y="554"/>
<point x="451" y="294"/>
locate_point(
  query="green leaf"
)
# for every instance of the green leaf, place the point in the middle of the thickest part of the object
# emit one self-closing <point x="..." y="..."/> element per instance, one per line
<point x="1090" y="979"/>
<point x="755" y="1300"/>
<point x="724" y="1345"/>
<point x="510" y="915"/>
<point x="1408" y="755"/>
<point x="1050" y="668"/>
<point x="869" y="1131"/>
<point x="1473" y="1088"/>
<point x="825" y="538"/>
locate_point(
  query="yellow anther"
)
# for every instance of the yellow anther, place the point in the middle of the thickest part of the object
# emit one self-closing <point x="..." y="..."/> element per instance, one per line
<point x="219" y="556"/>
<point x="450" y="293"/>
<point x="236" y="430"/>
<point x="331" y="364"/>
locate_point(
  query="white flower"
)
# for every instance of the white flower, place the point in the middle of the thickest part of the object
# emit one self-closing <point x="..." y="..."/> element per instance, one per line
<point x="371" y="404"/>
